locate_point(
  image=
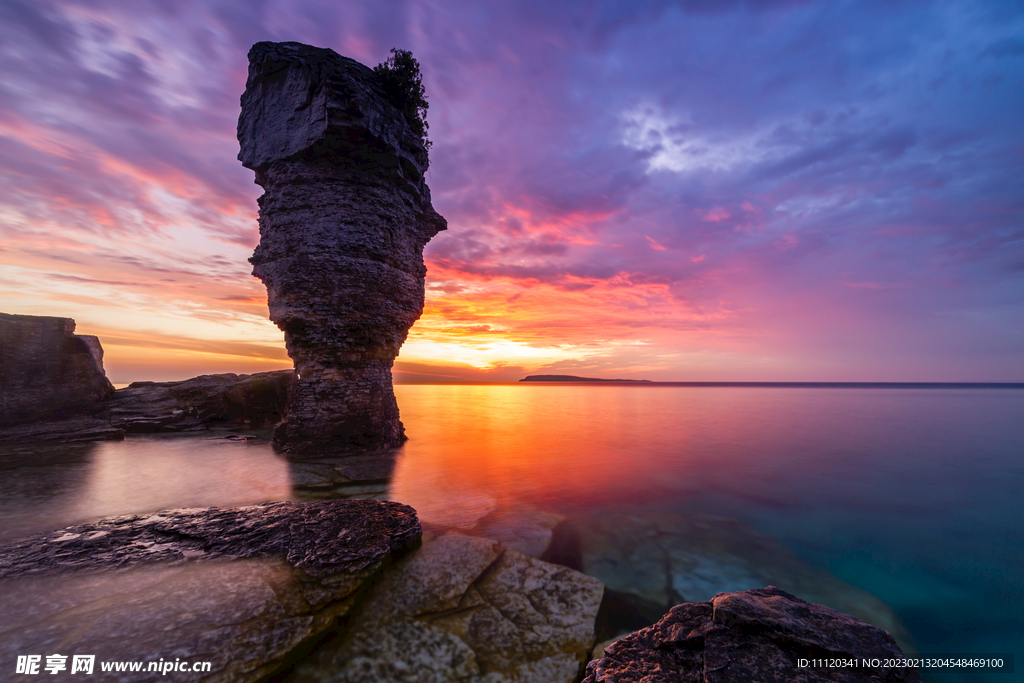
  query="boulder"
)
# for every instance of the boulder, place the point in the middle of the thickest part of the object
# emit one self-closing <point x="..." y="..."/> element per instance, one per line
<point x="248" y="590"/>
<point x="343" y="221"/>
<point x="466" y="609"/>
<point x="764" y="635"/>
<point x="47" y="371"/>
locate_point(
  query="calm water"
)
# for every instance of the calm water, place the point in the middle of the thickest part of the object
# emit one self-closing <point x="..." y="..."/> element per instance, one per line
<point x="905" y="507"/>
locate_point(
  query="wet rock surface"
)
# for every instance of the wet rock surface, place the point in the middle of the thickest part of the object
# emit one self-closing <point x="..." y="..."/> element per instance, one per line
<point x="246" y="589"/>
<point x="755" y="635"/>
<point x="226" y="401"/>
<point x="47" y="371"/>
<point x="466" y="609"/>
<point x="343" y="221"/>
<point x="76" y="429"/>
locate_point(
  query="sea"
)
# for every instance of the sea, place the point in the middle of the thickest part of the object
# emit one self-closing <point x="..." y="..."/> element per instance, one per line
<point x="903" y="506"/>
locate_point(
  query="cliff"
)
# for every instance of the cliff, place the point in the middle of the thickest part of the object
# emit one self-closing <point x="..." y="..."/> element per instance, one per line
<point x="47" y="371"/>
<point x="343" y="221"/>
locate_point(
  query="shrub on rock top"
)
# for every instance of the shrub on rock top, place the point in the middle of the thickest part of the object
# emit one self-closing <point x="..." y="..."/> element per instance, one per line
<point x="400" y="78"/>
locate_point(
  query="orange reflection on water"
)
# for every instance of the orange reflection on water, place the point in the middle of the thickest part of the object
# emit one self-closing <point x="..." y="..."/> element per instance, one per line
<point x="474" y="449"/>
<point x="144" y="474"/>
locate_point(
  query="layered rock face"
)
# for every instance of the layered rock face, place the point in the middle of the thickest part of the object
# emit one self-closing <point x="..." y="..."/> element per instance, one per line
<point x="47" y="371"/>
<point x="247" y="590"/>
<point x="764" y="635"/>
<point x="343" y="222"/>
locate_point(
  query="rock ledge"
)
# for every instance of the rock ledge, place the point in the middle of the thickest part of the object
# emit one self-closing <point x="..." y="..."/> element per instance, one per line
<point x="248" y="589"/>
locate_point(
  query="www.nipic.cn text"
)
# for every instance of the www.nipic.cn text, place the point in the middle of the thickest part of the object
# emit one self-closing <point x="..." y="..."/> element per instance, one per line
<point x="86" y="664"/>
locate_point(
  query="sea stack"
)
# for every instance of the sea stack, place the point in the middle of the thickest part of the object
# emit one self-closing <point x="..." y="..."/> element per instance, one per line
<point x="343" y="220"/>
<point x="47" y="371"/>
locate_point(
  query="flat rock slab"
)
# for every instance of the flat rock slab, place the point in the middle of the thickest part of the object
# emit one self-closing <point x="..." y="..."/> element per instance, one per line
<point x="245" y="589"/>
<point x="756" y="635"/>
<point x="466" y="609"/>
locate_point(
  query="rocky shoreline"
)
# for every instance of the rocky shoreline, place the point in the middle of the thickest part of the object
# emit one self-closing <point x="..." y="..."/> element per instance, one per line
<point x="341" y="590"/>
<point x="295" y="590"/>
<point x="226" y="401"/>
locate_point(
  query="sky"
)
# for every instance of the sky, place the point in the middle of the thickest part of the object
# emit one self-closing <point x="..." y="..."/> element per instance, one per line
<point x="694" y="190"/>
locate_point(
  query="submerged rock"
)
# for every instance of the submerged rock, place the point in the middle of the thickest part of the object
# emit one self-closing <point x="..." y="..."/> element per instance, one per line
<point x="47" y="371"/>
<point x="764" y="635"/>
<point x="649" y="563"/>
<point x="247" y="589"/>
<point x="364" y="475"/>
<point x="466" y="609"/>
<point x="343" y="221"/>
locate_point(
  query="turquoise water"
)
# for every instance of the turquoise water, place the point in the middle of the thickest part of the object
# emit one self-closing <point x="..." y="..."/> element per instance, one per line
<point x="904" y="507"/>
<point x="914" y="496"/>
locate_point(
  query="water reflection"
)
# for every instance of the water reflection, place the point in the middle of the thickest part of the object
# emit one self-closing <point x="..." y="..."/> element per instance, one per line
<point x="359" y="475"/>
<point x="49" y="486"/>
<point x="41" y="483"/>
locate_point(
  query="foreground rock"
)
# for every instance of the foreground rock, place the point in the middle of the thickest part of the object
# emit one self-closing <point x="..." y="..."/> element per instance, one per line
<point x="246" y="589"/>
<point x="47" y="371"/>
<point x="755" y="635"/>
<point x="469" y="610"/>
<point x="343" y="221"/>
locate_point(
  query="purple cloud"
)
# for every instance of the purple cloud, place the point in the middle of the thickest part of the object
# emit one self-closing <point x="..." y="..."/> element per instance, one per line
<point x="818" y="166"/>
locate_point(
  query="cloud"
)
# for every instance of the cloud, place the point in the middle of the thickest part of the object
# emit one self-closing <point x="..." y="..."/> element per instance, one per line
<point x="709" y="179"/>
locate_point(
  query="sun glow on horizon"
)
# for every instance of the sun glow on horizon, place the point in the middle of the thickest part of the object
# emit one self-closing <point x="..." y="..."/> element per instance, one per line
<point x="486" y="353"/>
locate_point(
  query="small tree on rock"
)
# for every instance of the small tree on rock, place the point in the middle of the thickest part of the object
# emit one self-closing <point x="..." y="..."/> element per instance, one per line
<point x="400" y="77"/>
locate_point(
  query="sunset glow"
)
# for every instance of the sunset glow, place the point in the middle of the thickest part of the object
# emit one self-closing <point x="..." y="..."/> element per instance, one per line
<point x="626" y="195"/>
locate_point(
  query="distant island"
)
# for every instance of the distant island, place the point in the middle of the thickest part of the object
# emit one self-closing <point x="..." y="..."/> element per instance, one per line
<point x="574" y="378"/>
<point x="787" y="385"/>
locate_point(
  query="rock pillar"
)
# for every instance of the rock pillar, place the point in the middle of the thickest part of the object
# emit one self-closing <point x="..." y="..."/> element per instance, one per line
<point x="343" y="221"/>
